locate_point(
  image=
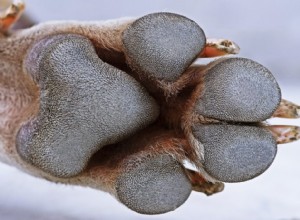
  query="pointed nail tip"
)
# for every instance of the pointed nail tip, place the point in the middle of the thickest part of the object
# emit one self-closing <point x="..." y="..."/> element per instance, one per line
<point x="297" y="112"/>
<point x="222" y="187"/>
<point x="236" y="48"/>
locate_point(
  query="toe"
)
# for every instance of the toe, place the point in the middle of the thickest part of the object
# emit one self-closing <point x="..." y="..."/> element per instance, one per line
<point x="234" y="153"/>
<point x="156" y="186"/>
<point x="162" y="45"/>
<point x="238" y="89"/>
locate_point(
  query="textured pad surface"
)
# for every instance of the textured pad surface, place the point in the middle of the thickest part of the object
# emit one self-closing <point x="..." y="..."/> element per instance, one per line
<point x="84" y="105"/>
<point x="163" y="45"/>
<point x="239" y="89"/>
<point x="157" y="186"/>
<point x="234" y="153"/>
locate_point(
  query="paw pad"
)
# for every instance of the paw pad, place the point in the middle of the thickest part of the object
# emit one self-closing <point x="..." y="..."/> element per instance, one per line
<point x="163" y="45"/>
<point x="157" y="186"/>
<point x="84" y="105"/>
<point x="238" y="89"/>
<point x="235" y="153"/>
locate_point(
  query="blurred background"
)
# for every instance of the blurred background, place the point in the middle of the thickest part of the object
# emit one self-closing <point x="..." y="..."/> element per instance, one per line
<point x="267" y="31"/>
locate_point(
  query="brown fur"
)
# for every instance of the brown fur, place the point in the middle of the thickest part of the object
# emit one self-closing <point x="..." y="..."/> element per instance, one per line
<point x="178" y="110"/>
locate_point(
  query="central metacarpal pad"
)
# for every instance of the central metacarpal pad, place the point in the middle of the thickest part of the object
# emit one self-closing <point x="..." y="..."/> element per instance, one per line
<point x="85" y="104"/>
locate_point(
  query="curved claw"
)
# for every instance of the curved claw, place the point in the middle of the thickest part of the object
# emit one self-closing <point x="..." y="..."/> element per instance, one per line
<point x="285" y="133"/>
<point x="200" y="184"/>
<point x="219" y="47"/>
<point x="10" y="12"/>
<point x="287" y="109"/>
<point x="4" y="4"/>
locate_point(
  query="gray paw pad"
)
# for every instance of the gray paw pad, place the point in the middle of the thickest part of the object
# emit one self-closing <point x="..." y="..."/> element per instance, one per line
<point x="239" y="89"/>
<point x="234" y="153"/>
<point x="163" y="45"/>
<point x="84" y="105"/>
<point x="157" y="186"/>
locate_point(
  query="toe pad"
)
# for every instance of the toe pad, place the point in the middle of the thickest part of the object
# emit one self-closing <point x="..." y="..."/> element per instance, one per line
<point x="163" y="45"/>
<point x="157" y="186"/>
<point x="234" y="153"/>
<point x="238" y="89"/>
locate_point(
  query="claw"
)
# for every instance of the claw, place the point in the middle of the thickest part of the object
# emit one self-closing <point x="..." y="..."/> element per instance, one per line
<point x="10" y="12"/>
<point x="287" y="109"/>
<point x="285" y="133"/>
<point x="219" y="47"/>
<point x="4" y="4"/>
<point x="200" y="184"/>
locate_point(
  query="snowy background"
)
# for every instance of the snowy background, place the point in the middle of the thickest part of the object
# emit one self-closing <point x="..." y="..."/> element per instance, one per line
<point x="267" y="31"/>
